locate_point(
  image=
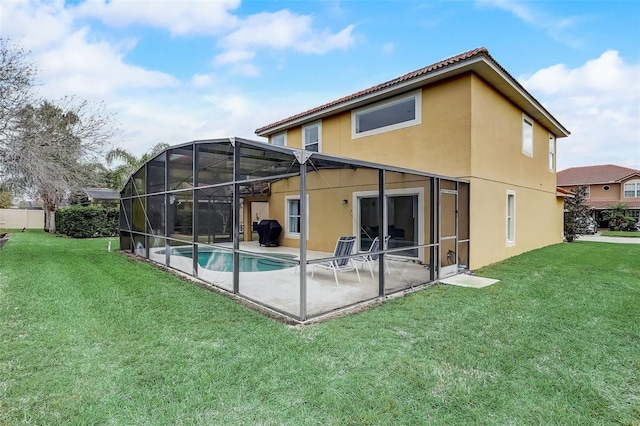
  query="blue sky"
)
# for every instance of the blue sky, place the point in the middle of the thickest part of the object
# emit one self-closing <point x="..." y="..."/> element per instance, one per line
<point x="175" y="71"/>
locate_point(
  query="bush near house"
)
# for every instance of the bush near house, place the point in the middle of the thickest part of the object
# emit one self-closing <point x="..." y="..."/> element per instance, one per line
<point x="88" y="221"/>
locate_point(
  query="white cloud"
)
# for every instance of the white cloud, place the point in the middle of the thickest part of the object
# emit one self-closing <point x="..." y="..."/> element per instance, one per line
<point x="388" y="48"/>
<point x="179" y="17"/>
<point x="94" y="69"/>
<point x="281" y="30"/>
<point x="557" y="28"/>
<point x="600" y="103"/>
<point x="233" y="56"/>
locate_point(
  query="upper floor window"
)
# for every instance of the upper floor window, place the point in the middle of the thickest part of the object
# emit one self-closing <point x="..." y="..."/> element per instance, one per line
<point x="312" y="137"/>
<point x="403" y="111"/>
<point x="632" y="189"/>
<point x="527" y="136"/>
<point x="552" y="153"/>
<point x="280" y="139"/>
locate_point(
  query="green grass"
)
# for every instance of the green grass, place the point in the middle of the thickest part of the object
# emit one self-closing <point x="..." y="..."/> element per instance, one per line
<point x="92" y="337"/>
<point x="620" y="234"/>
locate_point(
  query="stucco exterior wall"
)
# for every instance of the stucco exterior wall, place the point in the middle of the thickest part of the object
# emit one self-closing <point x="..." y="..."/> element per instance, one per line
<point x="497" y="165"/>
<point x="468" y="131"/>
<point x="440" y="144"/>
<point x="329" y="215"/>
<point x="535" y="227"/>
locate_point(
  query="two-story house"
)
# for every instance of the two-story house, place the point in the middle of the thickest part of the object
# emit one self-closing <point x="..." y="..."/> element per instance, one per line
<point x="464" y="117"/>
<point x="607" y="185"/>
<point x="446" y="168"/>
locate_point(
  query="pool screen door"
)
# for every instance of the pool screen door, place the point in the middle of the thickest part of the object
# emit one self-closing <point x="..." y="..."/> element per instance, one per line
<point x="448" y="233"/>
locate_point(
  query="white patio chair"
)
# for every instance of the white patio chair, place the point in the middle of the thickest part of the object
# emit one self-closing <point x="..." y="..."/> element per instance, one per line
<point x="370" y="257"/>
<point x="344" y="246"/>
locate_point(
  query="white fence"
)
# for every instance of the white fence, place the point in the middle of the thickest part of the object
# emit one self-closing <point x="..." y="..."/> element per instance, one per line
<point x="18" y="219"/>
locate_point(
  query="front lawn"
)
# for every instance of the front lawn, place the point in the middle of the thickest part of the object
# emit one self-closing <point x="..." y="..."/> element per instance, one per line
<point x="92" y="337"/>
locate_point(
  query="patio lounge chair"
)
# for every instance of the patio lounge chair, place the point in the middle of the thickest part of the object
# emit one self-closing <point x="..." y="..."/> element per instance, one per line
<point x="370" y="257"/>
<point x="344" y="246"/>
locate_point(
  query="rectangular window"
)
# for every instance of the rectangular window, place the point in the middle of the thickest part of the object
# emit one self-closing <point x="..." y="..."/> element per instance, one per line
<point x="312" y="137"/>
<point x="280" y="139"/>
<point x="552" y="153"/>
<point x="527" y="136"/>
<point x="511" y="218"/>
<point x="293" y="216"/>
<point x="632" y="190"/>
<point x="389" y="115"/>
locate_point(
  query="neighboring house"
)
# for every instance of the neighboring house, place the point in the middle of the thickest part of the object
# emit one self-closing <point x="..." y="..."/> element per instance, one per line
<point x="102" y="196"/>
<point x="465" y="117"/>
<point x="606" y="184"/>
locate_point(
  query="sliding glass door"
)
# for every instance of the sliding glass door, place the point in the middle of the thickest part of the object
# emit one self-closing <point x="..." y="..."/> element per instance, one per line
<point x="402" y="222"/>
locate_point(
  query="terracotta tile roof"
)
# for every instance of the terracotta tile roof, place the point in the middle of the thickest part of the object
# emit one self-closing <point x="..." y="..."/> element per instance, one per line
<point x="603" y="205"/>
<point x="589" y="175"/>
<point x="562" y="191"/>
<point x="481" y="51"/>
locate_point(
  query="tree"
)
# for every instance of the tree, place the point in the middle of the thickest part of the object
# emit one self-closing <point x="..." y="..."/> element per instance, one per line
<point x="16" y="79"/>
<point x="576" y="214"/>
<point x="6" y="198"/>
<point x="49" y="151"/>
<point x="618" y="218"/>
<point x="129" y="163"/>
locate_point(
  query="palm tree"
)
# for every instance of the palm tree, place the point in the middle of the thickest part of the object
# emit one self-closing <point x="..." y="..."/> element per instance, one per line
<point x="618" y="218"/>
<point x="129" y="163"/>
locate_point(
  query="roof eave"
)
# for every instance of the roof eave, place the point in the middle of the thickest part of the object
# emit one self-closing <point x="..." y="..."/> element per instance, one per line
<point x="480" y="65"/>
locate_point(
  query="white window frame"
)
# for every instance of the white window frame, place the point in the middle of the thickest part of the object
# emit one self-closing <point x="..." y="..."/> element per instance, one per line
<point x="287" y="230"/>
<point x="510" y="221"/>
<point x="304" y="133"/>
<point x="527" y="135"/>
<point x="277" y="136"/>
<point x="552" y="152"/>
<point x="416" y="95"/>
<point x="635" y="190"/>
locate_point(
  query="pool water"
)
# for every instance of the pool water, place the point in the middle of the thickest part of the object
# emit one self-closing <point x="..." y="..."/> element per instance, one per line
<point x="222" y="261"/>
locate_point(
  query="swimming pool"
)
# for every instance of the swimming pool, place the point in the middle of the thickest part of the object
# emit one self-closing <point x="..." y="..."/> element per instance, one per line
<point x="222" y="261"/>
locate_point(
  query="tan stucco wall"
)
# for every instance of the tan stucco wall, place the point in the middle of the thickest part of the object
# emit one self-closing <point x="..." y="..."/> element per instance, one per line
<point x="468" y="131"/>
<point x="439" y="145"/>
<point x="498" y="164"/>
<point x="596" y="193"/>
<point x="535" y="226"/>
<point x="329" y="216"/>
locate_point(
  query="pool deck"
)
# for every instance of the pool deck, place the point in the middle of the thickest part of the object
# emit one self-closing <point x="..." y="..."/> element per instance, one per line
<point x="280" y="289"/>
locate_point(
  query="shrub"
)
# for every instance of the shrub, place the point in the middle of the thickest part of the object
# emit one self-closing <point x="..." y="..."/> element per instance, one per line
<point x="88" y="221"/>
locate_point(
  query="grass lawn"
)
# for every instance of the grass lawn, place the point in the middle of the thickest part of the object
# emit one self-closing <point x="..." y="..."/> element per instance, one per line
<point x="620" y="234"/>
<point x="92" y="337"/>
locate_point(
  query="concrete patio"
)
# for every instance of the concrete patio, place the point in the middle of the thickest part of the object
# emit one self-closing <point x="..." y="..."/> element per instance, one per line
<point x="280" y="289"/>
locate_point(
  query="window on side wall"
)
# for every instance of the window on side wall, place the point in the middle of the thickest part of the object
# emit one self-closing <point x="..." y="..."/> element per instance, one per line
<point x="511" y="218"/>
<point x="292" y="216"/>
<point x="527" y="136"/>
<point x="632" y="189"/>
<point x="312" y="137"/>
<point x="397" y="113"/>
<point x="280" y="139"/>
<point x="552" y="153"/>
